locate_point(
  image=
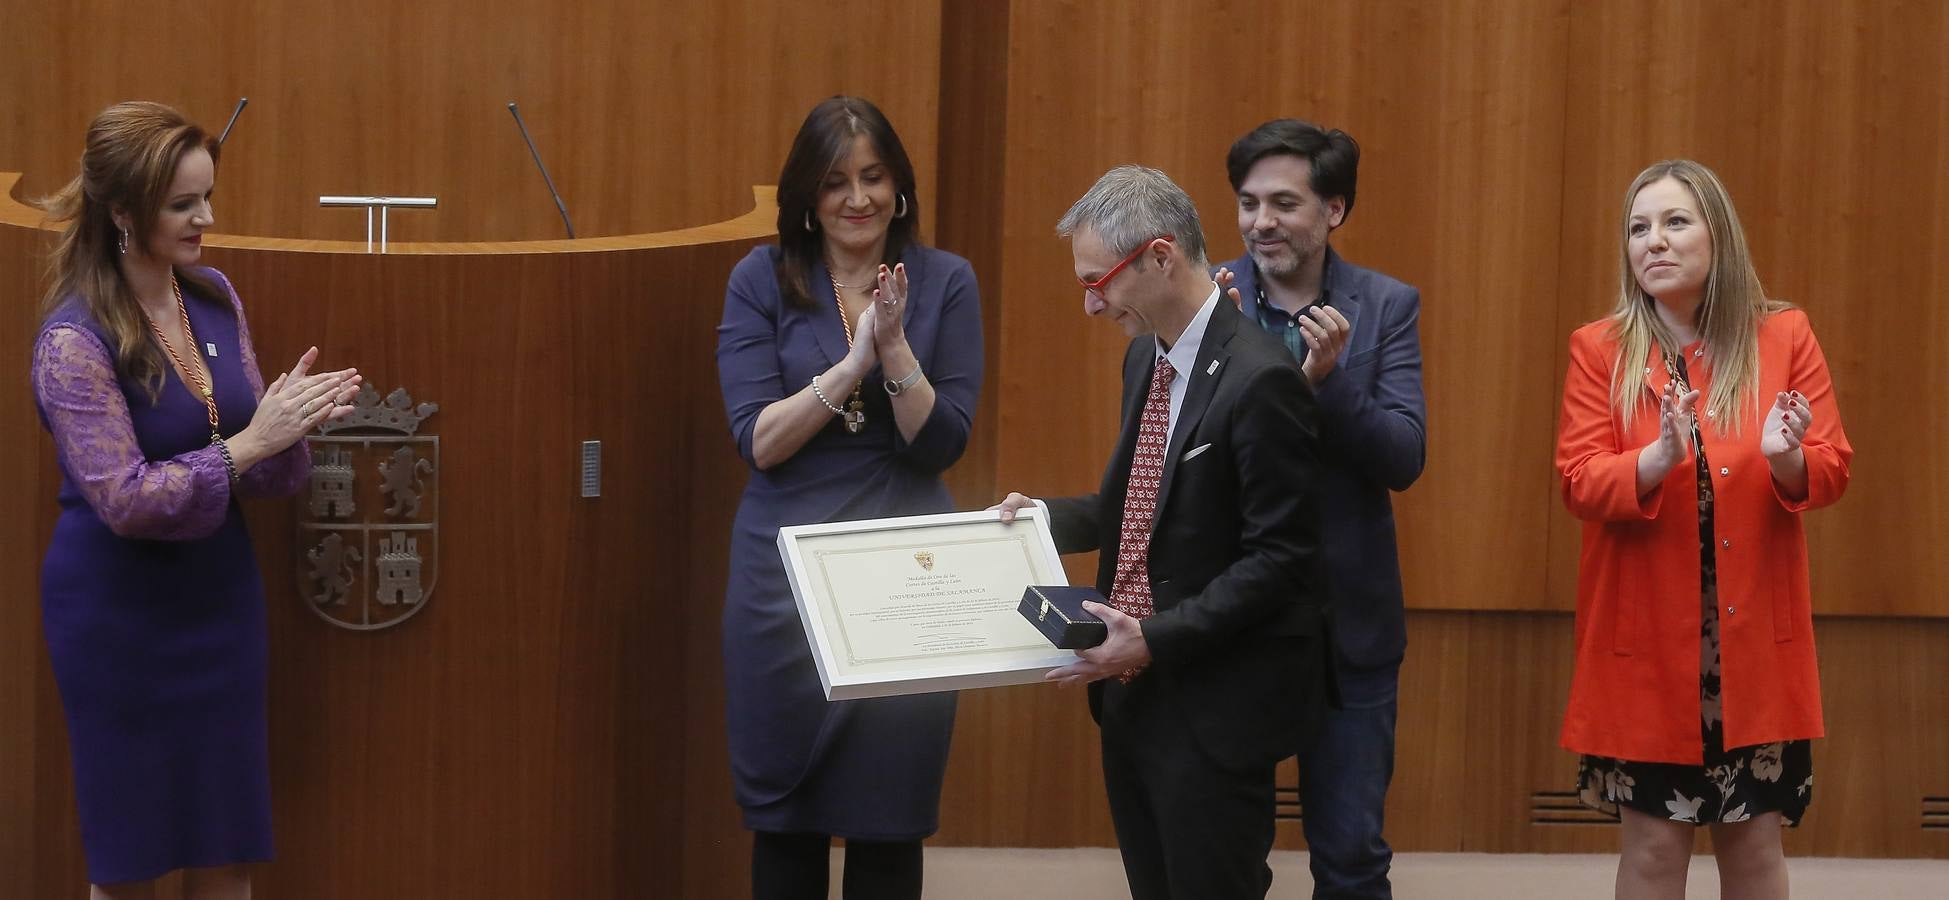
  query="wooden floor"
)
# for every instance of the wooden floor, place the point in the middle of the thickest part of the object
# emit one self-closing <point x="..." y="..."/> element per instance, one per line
<point x="959" y="873"/>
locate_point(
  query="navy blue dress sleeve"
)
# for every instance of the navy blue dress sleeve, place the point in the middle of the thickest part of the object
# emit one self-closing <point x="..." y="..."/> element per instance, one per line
<point x="747" y="348"/>
<point x="955" y="373"/>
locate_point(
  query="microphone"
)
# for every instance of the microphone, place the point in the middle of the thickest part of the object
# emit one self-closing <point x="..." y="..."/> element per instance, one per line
<point x="544" y="169"/>
<point x="241" y="103"/>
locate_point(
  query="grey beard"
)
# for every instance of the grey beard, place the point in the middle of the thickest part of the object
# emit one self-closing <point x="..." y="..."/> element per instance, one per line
<point x="1280" y="269"/>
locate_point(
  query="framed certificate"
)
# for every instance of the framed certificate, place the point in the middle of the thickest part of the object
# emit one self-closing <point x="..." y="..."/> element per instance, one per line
<point x="922" y="603"/>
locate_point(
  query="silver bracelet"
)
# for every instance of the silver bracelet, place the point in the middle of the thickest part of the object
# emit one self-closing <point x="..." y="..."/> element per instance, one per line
<point x="229" y="464"/>
<point x="895" y="387"/>
<point x="822" y="397"/>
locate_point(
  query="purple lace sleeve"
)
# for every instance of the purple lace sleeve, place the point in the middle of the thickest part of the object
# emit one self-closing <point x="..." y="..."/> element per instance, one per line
<point x="176" y="499"/>
<point x="285" y="473"/>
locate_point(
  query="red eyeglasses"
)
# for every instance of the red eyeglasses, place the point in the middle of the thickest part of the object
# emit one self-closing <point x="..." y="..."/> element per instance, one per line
<point x="1096" y="287"/>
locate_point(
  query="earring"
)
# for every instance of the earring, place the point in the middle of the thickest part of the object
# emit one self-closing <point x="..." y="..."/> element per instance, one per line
<point x="125" y="242"/>
<point x="808" y="220"/>
<point x="899" y="206"/>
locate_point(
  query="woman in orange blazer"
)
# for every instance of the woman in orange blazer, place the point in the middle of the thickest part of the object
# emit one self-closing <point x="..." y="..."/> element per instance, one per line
<point x="1698" y="423"/>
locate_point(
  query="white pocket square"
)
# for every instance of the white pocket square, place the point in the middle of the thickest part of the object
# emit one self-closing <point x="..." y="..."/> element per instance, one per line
<point x="1194" y="452"/>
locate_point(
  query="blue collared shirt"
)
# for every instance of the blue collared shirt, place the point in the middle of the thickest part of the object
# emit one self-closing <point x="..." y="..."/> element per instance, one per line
<point x="1283" y="325"/>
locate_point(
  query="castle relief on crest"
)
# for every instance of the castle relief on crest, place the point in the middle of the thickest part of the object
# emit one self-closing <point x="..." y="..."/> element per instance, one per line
<point x="369" y="523"/>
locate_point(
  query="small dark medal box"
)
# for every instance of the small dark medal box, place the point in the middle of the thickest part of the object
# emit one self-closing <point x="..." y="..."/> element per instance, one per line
<point x="1057" y="611"/>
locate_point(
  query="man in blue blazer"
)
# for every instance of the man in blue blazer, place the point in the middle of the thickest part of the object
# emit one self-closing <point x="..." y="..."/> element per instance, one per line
<point x="1355" y="333"/>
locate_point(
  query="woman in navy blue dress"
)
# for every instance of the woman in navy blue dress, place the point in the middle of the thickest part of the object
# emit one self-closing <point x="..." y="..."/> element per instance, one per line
<point x="151" y="602"/>
<point x="850" y="359"/>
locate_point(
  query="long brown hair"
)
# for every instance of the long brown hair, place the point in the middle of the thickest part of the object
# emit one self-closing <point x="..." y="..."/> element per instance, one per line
<point x="823" y="139"/>
<point x="1729" y="316"/>
<point x="127" y="166"/>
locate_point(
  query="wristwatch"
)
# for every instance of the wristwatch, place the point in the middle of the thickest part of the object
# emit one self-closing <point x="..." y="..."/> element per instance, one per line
<point x="895" y="387"/>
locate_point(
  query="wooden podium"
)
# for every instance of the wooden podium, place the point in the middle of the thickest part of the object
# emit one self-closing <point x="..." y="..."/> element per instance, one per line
<point x="523" y="734"/>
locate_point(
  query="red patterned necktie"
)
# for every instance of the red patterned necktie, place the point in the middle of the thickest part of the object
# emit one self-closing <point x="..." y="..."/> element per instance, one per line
<point x="1130" y="591"/>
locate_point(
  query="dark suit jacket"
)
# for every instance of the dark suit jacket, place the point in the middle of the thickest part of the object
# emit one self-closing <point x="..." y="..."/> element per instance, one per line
<point x="1373" y="439"/>
<point x="1236" y="642"/>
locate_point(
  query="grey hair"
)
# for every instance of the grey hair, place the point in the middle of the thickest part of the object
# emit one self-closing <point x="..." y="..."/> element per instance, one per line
<point x="1133" y="204"/>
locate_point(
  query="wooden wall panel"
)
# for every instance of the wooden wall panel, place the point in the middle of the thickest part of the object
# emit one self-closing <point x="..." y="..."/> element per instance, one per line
<point x="1492" y="174"/>
<point x="1458" y="187"/>
<point x="1432" y="803"/>
<point x="1449" y="193"/>
<point x="19" y="634"/>
<point x="1888" y="739"/>
<point x="34" y="786"/>
<point x="973" y="139"/>
<point x="717" y="849"/>
<point x="1520" y="667"/>
<point x="1827" y="123"/>
<point x="1492" y="165"/>
<point x="1025" y="771"/>
<point x="1482" y="701"/>
<point x="651" y="116"/>
<point x="514" y="738"/>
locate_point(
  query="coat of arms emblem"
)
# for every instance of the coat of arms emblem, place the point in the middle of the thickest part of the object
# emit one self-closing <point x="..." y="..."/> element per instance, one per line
<point x="368" y="529"/>
<point x="926" y="559"/>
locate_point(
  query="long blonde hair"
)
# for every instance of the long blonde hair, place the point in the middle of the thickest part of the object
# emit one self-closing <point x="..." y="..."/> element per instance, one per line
<point x="1729" y="317"/>
<point x="128" y="164"/>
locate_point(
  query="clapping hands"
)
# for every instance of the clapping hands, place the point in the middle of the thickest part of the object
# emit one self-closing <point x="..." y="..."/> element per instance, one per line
<point x="1677" y="414"/>
<point x="1323" y="328"/>
<point x="890" y="306"/>
<point x="1786" y="424"/>
<point x="298" y="401"/>
<point x="865" y="352"/>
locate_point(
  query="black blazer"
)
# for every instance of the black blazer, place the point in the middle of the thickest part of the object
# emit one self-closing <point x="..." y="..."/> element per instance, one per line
<point x="1237" y="640"/>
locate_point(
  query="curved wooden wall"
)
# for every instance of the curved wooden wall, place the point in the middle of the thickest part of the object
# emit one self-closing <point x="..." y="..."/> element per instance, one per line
<point x="651" y="116"/>
<point x="521" y="735"/>
<point x="34" y="787"/>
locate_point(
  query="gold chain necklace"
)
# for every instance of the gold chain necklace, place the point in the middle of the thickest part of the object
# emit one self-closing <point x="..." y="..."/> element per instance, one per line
<point x="836" y="283"/>
<point x="855" y="415"/>
<point x="189" y="373"/>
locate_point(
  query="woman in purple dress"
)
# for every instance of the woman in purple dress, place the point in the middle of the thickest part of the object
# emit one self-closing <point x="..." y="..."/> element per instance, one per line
<point x="850" y="360"/>
<point x="152" y="605"/>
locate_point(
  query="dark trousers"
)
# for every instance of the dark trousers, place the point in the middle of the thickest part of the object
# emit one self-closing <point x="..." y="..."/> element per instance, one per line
<point x="798" y="867"/>
<point x="1188" y="828"/>
<point x="1343" y="778"/>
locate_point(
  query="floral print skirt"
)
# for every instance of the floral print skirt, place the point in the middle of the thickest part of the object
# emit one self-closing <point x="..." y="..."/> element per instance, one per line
<point x="1733" y="785"/>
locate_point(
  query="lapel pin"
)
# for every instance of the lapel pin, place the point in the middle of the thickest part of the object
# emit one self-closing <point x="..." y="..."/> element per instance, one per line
<point x="1212" y="369"/>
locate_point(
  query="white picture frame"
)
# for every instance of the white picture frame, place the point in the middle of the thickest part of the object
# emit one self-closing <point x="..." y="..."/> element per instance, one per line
<point x="918" y="604"/>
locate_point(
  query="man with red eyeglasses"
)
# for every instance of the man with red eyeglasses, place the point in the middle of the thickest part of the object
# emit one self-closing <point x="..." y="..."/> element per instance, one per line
<point x="1215" y="664"/>
<point x="1355" y="333"/>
